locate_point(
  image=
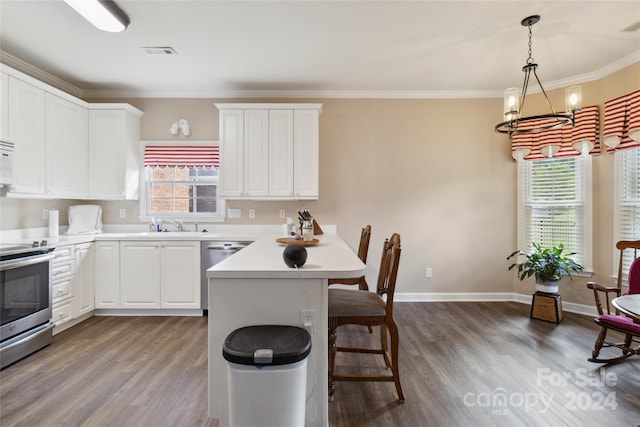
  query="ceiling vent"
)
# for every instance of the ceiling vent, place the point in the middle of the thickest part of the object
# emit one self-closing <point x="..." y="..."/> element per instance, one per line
<point x="162" y="50"/>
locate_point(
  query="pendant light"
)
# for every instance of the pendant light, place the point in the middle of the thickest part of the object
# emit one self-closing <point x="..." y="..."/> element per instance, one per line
<point x="515" y="122"/>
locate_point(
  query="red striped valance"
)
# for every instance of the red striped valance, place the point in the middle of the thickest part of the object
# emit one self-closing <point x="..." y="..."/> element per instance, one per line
<point x="621" y="127"/>
<point x="181" y="156"/>
<point x="564" y="141"/>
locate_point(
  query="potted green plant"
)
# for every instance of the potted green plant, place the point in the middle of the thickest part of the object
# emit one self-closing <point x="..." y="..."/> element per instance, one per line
<point x="548" y="265"/>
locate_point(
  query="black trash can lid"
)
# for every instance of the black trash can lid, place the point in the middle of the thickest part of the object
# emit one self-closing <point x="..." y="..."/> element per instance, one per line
<point x="266" y="345"/>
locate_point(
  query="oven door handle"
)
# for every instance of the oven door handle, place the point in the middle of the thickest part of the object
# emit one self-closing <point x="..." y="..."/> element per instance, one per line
<point x="18" y="263"/>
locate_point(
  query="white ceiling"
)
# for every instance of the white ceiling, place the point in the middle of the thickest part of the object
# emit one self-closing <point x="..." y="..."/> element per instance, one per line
<point x="322" y="48"/>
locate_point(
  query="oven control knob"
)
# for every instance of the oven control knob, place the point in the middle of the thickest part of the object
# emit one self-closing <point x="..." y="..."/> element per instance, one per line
<point x="35" y="244"/>
<point x="43" y="243"/>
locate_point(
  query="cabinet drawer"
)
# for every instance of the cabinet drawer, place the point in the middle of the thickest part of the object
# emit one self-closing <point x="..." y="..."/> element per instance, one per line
<point x="62" y="269"/>
<point x="61" y="290"/>
<point x="62" y="312"/>
<point x="63" y="253"/>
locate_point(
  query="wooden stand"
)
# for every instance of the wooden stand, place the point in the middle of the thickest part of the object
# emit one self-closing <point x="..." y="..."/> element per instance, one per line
<point x="546" y="307"/>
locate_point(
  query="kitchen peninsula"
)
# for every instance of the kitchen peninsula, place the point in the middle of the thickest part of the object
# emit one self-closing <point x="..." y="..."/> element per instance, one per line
<point x="255" y="287"/>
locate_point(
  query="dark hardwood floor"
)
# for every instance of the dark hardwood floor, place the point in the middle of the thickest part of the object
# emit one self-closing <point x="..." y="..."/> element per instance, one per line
<point x="462" y="364"/>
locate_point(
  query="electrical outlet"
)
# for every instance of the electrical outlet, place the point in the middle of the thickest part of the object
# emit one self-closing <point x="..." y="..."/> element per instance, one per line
<point x="306" y="318"/>
<point x="123" y="213"/>
<point x="252" y="213"/>
<point x="282" y="213"/>
<point x="45" y="213"/>
<point x="428" y="272"/>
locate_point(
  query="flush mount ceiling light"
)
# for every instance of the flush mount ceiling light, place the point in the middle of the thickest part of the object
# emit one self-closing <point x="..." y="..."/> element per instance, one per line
<point x="104" y="14"/>
<point x="515" y="122"/>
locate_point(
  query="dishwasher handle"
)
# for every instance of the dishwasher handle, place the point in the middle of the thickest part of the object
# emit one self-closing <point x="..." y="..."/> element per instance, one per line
<point x="224" y="248"/>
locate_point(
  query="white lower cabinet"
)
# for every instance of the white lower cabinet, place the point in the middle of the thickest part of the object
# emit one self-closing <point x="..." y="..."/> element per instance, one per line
<point x="72" y="282"/>
<point x="160" y="274"/>
<point x="62" y="269"/>
<point x="84" y="279"/>
<point x="140" y="275"/>
<point x="180" y="275"/>
<point x="107" y="274"/>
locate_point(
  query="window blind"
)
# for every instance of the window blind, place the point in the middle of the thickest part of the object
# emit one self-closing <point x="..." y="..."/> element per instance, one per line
<point x="628" y="210"/>
<point x="621" y="127"/>
<point x="181" y="156"/>
<point x="561" y="142"/>
<point x="553" y="204"/>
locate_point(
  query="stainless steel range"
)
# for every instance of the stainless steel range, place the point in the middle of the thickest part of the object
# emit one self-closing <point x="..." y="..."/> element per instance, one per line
<point x="25" y="300"/>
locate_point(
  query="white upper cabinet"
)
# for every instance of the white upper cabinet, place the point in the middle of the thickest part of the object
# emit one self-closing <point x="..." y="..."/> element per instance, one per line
<point x="26" y="129"/>
<point x="66" y="134"/>
<point x="66" y="147"/>
<point x="232" y="153"/>
<point x="269" y="151"/>
<point x="281" y="151"/>
<point x="306" y="154"/>
<point x="4" y="106"/>
<point x="114" y="156"/>
<point x="256" y="153"/>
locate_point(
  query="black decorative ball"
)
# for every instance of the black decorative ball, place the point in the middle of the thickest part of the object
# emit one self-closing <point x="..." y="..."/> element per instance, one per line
<point x="294" y="255"/>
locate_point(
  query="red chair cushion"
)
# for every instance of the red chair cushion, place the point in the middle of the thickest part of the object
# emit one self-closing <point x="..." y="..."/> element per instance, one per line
<point x="620" y="322"/>
<point x="634" y="277"/>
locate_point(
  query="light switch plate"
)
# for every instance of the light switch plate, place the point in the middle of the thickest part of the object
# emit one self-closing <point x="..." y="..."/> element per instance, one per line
<point x="234" y="213"/>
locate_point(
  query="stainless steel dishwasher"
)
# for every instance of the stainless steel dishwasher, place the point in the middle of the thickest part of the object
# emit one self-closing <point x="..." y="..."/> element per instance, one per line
<point x="211" y="253"/>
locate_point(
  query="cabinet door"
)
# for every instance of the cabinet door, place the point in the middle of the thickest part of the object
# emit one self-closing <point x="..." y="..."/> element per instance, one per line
<point x="107" y="274"/>
<point x="180" y="263"/>
<point x="140" y="274"/>
<point x="26" y="130"/>
<point x="113" y="154"/>
<point x="256" y="153"/>
<point x="107" y="153"/>
<point x="4" y="106"/>
<point x="281" y="153"/>
<point x="67" y="147"/>
<point x="232" y="153"/>
<point x="83" y="278"/>
<point x="306" y="154"/>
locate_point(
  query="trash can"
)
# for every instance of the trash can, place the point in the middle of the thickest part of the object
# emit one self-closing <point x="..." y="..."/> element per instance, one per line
<point x="267" y="375"/>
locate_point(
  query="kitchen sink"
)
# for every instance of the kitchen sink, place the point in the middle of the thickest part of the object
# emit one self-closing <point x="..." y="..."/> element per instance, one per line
<point x="169" y="234"/>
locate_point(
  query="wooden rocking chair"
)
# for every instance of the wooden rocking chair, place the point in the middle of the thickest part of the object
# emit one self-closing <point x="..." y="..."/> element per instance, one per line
<point x="609" y="318"/>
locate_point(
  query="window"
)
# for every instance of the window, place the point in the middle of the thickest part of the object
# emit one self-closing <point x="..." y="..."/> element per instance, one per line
<point x="627" y="201"/>
<point x="178" y="191"/>
<point x="554" y="204"/>
<point x="182" y="182"/>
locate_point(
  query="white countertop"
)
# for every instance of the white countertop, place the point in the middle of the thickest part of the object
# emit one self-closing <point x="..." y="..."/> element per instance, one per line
<point x="331" y="257"/>
<point x="226" y="232"/>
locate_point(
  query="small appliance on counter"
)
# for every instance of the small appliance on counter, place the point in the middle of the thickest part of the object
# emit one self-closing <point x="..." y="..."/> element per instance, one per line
<point x="85" y="219"/>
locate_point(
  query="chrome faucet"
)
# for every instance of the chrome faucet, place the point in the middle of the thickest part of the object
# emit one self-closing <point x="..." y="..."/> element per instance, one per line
<point x="175" y="222"/>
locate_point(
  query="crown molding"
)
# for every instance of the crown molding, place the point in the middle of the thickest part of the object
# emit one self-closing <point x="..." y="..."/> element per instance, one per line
<point x="39" y="74"/>
<point x="336" y="94"/>
<point x="48" y="78"/>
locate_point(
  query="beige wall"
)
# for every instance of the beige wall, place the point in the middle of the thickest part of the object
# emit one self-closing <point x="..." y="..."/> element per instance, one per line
<point x="433" y="170"/>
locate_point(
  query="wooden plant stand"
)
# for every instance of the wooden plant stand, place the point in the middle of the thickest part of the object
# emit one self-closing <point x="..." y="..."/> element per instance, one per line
<point x="546" y="307"/>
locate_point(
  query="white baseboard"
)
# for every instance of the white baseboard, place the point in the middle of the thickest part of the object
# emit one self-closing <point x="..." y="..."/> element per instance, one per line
<point x="570" y="307"/>
<point x="148" y="312"/>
